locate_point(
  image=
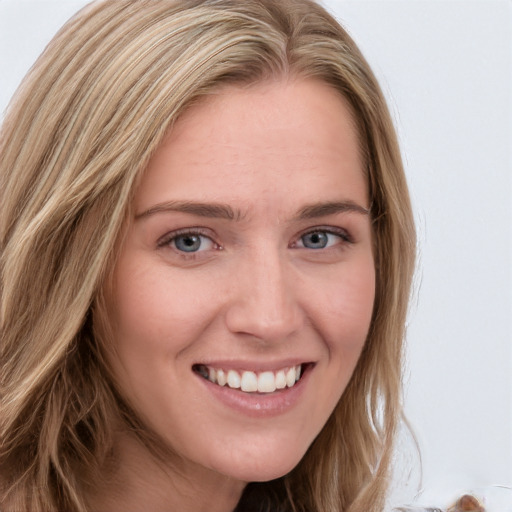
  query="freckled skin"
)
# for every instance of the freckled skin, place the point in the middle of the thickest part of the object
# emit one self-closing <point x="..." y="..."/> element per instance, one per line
<point x="252" y="292"/>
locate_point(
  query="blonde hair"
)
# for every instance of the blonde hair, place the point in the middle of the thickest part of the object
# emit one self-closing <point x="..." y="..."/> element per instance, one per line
<point x="74" y="143"/>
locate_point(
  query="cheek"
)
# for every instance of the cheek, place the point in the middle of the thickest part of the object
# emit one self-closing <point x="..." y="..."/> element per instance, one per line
<point x="155" y="319"/>
<point x="342" y="314"/>
<point x="158" y="309"/>
<point x="347" y="309"/>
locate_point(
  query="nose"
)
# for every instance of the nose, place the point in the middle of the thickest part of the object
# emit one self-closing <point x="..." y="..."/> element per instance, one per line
<point x="263" y="299"/>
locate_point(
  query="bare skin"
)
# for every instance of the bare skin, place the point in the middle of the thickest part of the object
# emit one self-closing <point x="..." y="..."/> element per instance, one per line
<point x="143" y="483"/>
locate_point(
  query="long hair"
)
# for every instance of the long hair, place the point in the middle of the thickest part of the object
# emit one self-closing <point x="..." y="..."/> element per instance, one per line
<point x="75" y="141"/>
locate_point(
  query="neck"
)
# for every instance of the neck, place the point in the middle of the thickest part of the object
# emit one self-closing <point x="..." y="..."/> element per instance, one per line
<point x="138" y="481"/>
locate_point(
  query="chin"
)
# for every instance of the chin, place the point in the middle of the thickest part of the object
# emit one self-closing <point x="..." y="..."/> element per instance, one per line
<point x="264" y="469"/>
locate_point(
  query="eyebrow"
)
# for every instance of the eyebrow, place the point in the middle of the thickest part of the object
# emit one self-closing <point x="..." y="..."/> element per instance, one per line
<point x="225" y="211"/>
<point x="322" y="209"/>
<point x="212" y="210"/>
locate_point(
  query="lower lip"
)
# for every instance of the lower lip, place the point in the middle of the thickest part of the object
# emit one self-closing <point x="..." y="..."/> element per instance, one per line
<point x="258" y="405"/>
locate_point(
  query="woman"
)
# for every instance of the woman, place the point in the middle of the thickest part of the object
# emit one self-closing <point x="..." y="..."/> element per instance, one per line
<point x="207" y="249"/>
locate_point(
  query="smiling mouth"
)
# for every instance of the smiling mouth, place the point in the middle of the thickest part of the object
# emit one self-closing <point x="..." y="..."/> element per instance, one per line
<point x="252" y="382"/>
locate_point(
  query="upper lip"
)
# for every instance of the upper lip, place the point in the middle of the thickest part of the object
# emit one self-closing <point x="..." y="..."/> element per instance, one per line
<point x="255" y="366"/>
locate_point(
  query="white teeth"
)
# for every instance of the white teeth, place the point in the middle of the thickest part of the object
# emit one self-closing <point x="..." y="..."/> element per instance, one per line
<point x="266" y="382"/>
<point x="233" y="379"/>
<point x="291" y="375"/>
<point x="280" y="379"/>
<point x="251" y="382"/>
<point x="221" y="378"/>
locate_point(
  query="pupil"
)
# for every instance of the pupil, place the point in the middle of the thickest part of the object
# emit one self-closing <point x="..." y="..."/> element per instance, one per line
<point x="315" y="240"/>
<point x="188" y="243"/>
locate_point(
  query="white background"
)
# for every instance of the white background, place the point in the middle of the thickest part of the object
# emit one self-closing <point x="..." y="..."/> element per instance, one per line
<point x="446" y="69"/>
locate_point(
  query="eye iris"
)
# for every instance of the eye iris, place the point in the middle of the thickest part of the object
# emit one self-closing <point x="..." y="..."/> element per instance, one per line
<point x="188" y="243"/>
<point x="316" y="240"/>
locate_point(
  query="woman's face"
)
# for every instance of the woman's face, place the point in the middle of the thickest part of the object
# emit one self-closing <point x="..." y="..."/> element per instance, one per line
<point x="248" y="263"/>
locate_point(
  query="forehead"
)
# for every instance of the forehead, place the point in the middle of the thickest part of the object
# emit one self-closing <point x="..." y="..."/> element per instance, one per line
<point x="246" y="141"/>
<point x="269" y="107"/>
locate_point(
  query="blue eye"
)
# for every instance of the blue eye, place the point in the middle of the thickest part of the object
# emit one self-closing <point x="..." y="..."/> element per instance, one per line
<point x="321" y="239"/>
<point x="315" y="240"/>
<point x="192" y="242"/>
<point x="187" y="242"/>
